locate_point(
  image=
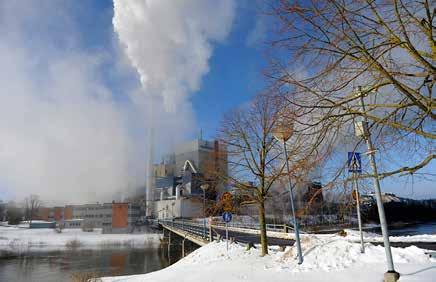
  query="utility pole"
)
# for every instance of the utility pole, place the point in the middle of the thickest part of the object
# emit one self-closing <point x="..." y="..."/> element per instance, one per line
<point x="204" y="187"/>
<point x="391" y="275"/>
<point x="359" y="217"/>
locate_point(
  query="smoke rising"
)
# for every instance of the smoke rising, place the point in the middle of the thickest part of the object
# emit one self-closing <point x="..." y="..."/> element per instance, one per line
<point x="69" y="135"/>
<point x="169" y="42"/>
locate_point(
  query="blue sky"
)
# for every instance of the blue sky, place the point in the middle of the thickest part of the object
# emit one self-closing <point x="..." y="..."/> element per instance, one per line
<point x="80" y="32"/>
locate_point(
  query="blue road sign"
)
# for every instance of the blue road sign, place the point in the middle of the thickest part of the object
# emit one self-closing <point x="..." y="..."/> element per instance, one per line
<point x="227" y="216"/>
<point x="354" y="162"/>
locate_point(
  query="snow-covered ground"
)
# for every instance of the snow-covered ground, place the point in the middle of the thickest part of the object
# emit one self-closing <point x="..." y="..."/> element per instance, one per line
<point x="21" y="239"/>
<point x="330" y="258"/>
<point x="372" y="237"/>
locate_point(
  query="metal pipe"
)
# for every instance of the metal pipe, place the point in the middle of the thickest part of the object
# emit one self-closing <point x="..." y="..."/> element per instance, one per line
<point x="297" y="233"/>
<point x="359" y="218"/>
<point x="381" y="210"/>
<point x="204" y="213"/>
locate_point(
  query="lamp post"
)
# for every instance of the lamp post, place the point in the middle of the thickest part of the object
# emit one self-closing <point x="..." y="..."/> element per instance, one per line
<point x="204" y="187"/>
<point x="282" y="134"/>
<point x="391" y="274"/>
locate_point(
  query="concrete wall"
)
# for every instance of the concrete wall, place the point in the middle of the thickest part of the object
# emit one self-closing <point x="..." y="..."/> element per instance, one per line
<point x="187" y="207"/>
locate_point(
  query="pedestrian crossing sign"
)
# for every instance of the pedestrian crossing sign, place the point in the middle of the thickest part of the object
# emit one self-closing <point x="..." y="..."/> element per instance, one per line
<point x="354" y="162"/>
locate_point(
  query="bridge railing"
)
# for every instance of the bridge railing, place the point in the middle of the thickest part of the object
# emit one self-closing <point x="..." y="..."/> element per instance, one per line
<point x="269" y="227"/>
<point x="197" y="227"/>
<point x="192" y="227"/>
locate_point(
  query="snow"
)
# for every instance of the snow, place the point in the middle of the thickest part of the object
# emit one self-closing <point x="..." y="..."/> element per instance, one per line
<point x="20" y="239"/>
<point x="354" y="235"/>
<point x="331" y="258"/>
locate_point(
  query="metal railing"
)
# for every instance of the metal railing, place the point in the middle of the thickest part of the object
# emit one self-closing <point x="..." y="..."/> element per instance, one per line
<point x="189" y="226"/>
<point x="283" y="228"/>
<point x="196" y="228"/>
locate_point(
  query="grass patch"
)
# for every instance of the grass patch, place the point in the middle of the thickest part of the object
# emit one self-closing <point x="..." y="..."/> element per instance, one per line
<point x="93" y="276"/>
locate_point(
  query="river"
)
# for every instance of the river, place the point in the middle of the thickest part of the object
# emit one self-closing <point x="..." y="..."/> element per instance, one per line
<point x="77" y="265"/>
<point x="414" y="229"/>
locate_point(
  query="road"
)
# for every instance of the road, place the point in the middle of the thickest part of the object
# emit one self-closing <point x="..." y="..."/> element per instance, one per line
<point x="254" y="238"/>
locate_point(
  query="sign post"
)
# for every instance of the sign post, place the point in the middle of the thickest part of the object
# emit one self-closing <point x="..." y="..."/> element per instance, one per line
<point x="227" y="217"/>
<point x="355" y="167"/>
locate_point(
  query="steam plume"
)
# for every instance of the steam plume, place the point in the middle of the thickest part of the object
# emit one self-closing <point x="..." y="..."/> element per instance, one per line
<point x="169" y="42"/>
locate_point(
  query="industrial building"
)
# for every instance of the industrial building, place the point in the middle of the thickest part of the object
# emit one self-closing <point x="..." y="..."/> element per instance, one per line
<point x="177" y="180"/>
<point x="112" y="217"/>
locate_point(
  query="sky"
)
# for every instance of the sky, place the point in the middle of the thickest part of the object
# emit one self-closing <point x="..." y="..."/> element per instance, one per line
<point x="84" y="83"/>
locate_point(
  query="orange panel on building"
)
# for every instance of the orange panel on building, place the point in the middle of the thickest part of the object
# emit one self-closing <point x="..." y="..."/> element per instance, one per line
<point x="120" y="212"/>
<point x="42" y="213"/>
<point x="68" y="212"/>
<point x="58" y="213"/>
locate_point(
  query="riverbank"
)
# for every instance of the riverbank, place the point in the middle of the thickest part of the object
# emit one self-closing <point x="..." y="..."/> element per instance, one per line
<point x="326" y="259"/>
<point x="21" y="239"/>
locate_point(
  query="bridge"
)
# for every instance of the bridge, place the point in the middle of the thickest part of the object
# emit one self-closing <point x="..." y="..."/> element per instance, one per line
<point x="200" y="234"/>
<point x="248" y="234"/>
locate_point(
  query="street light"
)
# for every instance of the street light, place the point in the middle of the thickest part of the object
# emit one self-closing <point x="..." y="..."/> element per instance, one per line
<point x="391" y="274"/>
<point x="282" y="134"/>
<point x="204" y="187"/>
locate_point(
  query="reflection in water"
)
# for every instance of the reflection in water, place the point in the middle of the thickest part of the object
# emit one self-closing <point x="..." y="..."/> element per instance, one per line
<point x="38" y="266"/>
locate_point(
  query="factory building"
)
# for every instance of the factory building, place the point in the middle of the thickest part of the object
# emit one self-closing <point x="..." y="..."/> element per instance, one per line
<point x="177" y="180"/>
<point x="112" y="217"/>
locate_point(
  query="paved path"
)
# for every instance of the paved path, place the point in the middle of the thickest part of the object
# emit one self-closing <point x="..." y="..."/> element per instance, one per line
<point x="254" y="238"/>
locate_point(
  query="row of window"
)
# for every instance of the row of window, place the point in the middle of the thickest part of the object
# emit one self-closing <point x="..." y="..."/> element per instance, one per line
<point x="74" y="224"/>
<point x="93" y="208"/>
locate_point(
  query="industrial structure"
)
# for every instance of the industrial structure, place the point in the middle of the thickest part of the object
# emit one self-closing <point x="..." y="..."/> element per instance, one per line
<point x="178" y="179"/>
<point x="112" y="217"/>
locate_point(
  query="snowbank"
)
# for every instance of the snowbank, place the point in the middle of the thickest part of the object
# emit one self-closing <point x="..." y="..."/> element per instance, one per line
<point x="17" y="239"/>
<point x="354" y="235"/>
<point x="325" y="259"/>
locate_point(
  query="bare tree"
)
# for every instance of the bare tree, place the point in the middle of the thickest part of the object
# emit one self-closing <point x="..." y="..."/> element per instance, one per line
<point x="14" y="214"/>
<point x="32" y="205"/>
<point x="255" y="159"/>
<point x="326" y="49"/>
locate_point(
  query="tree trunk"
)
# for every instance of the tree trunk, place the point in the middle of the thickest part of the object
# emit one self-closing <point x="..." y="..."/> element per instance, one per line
<point x="262" y="225"/>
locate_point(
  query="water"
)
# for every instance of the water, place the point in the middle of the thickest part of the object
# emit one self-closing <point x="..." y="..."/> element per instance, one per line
<point x="39" y="266"/>
<point x="416" y="229"/>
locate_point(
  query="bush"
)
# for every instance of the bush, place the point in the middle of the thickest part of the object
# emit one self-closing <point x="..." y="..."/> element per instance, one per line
<point x="73" y="244"/>
<point x="84" y="276"/>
